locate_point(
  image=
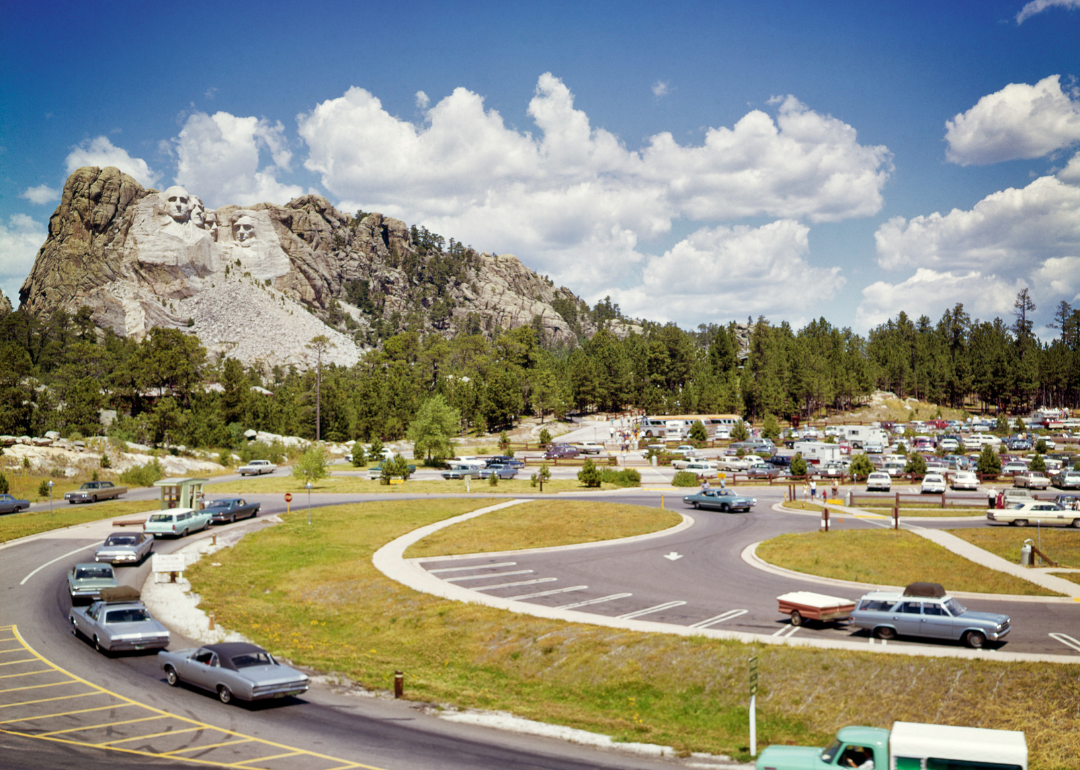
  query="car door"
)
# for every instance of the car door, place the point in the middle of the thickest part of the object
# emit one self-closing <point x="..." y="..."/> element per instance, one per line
<point x="200" y="669"/>
<point x="938" y="623"/>
<point x="907" y="616"/>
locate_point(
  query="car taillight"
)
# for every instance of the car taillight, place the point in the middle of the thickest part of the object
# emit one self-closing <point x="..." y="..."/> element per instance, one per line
<point x="173" y="527"/>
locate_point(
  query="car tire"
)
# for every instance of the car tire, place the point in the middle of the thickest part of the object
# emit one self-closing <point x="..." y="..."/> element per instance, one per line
<point x="696" y="505"/>
<point x="74" y="629"/>
<point x="93" y="499"/>
<point x="171" y="676"/>
<point x="884" y="632"/>
<point x="724" y="508"/>
<point x="98" y="647"/>
<point x="224" y="694"/>
<point x="975" y="639"/>
<point x="1076" y="523"/>
<point x="232" y="519"/>
<point x="796" y="618"/>
<point x="1020" y="523"/>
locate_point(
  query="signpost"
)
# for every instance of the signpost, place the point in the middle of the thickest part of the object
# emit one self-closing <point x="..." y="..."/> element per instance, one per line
<point x="171" y="563"/>
<point x="753" y="706"/>
<point x="288" y="499"/>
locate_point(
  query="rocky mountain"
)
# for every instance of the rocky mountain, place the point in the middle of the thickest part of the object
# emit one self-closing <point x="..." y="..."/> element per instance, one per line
<point x="258" y="283"/>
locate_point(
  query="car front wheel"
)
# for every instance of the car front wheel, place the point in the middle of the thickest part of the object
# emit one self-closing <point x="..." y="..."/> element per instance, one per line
<point x="172" y="677"/>
<point x="796" y="618"/>
<point x="1020" y="523"/>
<point x="224" y="694"/>
<point x="975" y="639"/>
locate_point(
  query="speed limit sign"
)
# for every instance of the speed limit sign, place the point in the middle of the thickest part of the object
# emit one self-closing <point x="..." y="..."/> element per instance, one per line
<point x="288" y="497"/>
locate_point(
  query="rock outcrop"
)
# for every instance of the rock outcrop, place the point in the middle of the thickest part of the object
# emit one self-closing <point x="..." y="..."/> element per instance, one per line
<point x="259" y="282"/>
<point x="5" y="305"/>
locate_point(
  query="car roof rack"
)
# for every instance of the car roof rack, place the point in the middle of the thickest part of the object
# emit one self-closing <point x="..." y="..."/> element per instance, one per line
<point x="934" y="590"/>
<point x="120" y="594"/>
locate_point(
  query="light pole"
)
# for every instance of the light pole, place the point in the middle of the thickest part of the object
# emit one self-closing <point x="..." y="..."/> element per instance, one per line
<point x="308" y="488"/>
<point x="50" y="496"/>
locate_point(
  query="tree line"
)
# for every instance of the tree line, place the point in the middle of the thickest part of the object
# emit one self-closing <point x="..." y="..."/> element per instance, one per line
<point x="60" y="372"/>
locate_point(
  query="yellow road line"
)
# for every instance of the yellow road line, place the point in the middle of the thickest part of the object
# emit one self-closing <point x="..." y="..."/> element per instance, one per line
<point x="46" y="700"/>
<point x="37" y="686"/>
<point x="13" y="662"/>
<point x="197" y="728"/>
<point x="125" y="701"/>
<point x="266" y="759"/>
<point x="206" y="746"/>
<point x="27" y="673"/>
<point x="96" y="727"/>
<point x="68" y="713"/>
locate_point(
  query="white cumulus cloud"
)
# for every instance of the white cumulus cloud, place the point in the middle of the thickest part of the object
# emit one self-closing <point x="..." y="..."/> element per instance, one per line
<point x="660" y="88"/>
<point x="102" y="153"/>
<point x="1010" y="240"/>
<point x="1038" y="6"/>
<point x="1071" y="172"/>
<point x="572" y="198"/>
<point x="218" y="159"/>
<point x="41" y="195"/>
<point x="1019" y="121"/>
<point x="20" y="240"/>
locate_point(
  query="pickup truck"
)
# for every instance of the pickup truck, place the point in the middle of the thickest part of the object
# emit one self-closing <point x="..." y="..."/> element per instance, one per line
<point x="92" y="491"/>
<point x="257" y="468"/>
<point x="908" y="746"/>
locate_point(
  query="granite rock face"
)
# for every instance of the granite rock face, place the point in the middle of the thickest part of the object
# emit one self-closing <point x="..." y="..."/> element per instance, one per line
<point x="259" y="282"/>
<point x="5" y="305"/>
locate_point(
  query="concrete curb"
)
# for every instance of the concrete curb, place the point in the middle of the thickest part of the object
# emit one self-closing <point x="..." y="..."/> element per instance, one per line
<point x="390" y="561"/>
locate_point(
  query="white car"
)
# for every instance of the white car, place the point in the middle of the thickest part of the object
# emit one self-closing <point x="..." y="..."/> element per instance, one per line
<point x="933" y="483"/>
<point x="702" y="470"/>
<point x="685" y="450"/>
<point x="1032" y="480"/>
<point x="964" y="480"/>
<point x="949" y="445"/>
<point x="590" y="447"/>
<point x="1020" y="514"/>
<point x="879" y="480"/>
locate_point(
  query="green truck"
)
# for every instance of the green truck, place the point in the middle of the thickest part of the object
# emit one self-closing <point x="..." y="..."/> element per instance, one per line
<point x="908" y="746"/>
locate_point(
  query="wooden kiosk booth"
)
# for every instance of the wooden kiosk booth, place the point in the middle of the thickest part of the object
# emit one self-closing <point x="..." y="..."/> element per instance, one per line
<point x="181" y="493"/>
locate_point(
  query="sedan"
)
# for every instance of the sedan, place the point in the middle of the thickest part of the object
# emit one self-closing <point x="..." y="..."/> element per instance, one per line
<point x="1067" y="480"/>
<point x="125" y="548"/>
<point x="501" y="472"/>
<point x="1034" y="512"/>
<point x="720" y="500"/>
<point x="933" y="483"/>
<point x="964" y="480"/>
<point x="86" y="581"/>
<point x="9" y="504"/>
<point x="233" y="670"/>
<point x="229" y="509"/>
<point x="114" y="626"/>
<point x="879" y="480"/>
<point x="1031" y="480"/>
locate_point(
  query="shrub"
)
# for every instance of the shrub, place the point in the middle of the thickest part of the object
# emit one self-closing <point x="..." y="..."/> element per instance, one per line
<point x="545" y="437"/>
<point x="105" y="461"/>
<point x="1040" y="447"/>
<point x="684" y="479"/>
<point x="311" y="466"/>
<point x="532" y="480"/>
<point x="771" y="428"/>
<point x="224" y="459"/>
<point x="916" y="464"/>
<point x="493" y="479"/>
<point x="740" y="432"/>
<point x="861" y="467"/>
<point x="143" y="475"/>
<point x="44" y="488"/>
<point x="4" y="486"/>
<point x="798" y="465"/>
<point x="359" y="456"/>
<point x="628" y="477"/>
<point x="1038" y="464"/>
<point x="698" y="432"/>
<point x="545" y="472"/>
<point x="989" y="463"/>
<point x="589" y="475"/>
<point x="94" y="476"/>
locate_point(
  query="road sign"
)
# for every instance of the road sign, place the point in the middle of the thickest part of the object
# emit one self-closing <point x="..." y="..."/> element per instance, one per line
<point x="288" y="497"/>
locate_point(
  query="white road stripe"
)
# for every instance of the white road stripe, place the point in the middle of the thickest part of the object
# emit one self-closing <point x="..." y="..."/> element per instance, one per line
<point x="650" y="610"/>
<point x="1067" y="640"/>
<point x="58" y="558"/>
<point x="519" y="583"/>
<point x="548" y="593"/>
<point x="787" y="631"/>
<point x="475" y="566"/>
<point x="489" y="574"/>
<point x="729" y="615"/>
<point x="587" y="602"/>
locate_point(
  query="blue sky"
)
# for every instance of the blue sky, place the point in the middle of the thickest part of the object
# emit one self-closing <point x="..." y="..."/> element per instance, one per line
<point x="698" y="162"/>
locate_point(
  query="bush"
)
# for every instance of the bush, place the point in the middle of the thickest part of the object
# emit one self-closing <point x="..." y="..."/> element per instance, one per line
<point x="628" y="477"/>
<point x="493" y="479"/>
<point x="989" y="463"/>
<point x="545" y="472"/>
<point x="861" y="467"/>
<point x="771" y="428"/>
<point x="589" y="475"/>
<point x="359" y="456"/>
<point x="798" y="465"/>
<point x="105" y="461"/>
<point x="43" y="488"/>
<point x="740" y="432"/>
<point x="311" y="466"/>
<point x="684" y="479"/>
<point x="1038" y="464"/>
<point x="224" y="459"/>
<point x="257" y="450"/>
<point x="698" y="432"/>
<point x="4" y="486"/>
<point x="1040" y="447"/>
<point x="916" y="464"/>
<point x="545" y="437"/>
<point x="143" y="475"/>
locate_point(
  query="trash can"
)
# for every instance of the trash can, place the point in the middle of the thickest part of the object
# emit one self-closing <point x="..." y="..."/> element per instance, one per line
<point x="1025" y="553"/>
<point x="653" y="461"/>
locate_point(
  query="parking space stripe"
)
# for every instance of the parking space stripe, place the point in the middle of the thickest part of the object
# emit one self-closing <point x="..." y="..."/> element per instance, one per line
<point x="38" y="686"/>
<point x="210" y="746"/>
<point x="519" y="583"/>
<point x="489" y="574"/>
<point x="552" y="592"/>
<point x="729" y="615"/>
<point x="103" y="724"/>
<point x="475" y="566"/>
<point x="183" y="725"/>
<point x="588" y="602"/>
<point x="650" y="610"/>
<point x="13" y="662"/>
<point x="1067" y="640"/>
<point x="26" y="673"/>
<point x="787" y="631"/>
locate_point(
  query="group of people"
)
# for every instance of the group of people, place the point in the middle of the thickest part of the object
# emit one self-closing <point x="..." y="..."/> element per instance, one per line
<point x="810" y="491"/>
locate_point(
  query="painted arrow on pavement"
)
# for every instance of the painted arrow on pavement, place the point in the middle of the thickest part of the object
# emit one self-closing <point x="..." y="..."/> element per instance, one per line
<point x="673" y="556"/>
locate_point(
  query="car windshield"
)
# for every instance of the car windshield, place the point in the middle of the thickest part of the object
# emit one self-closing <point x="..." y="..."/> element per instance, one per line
<point x="829" y="751"/>
<point x="249" y="659"/>
<point x="130" y="615"/>
<point x="121" y="540"/>
<point x="955" y="608"/>
<point x="92" y="573"/>
<point x="161" y="517"/>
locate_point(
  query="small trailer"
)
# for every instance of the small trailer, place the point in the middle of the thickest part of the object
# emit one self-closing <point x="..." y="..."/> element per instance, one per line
<point x="806" y="605"/>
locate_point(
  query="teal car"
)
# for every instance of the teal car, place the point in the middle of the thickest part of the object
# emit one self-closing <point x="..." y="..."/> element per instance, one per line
<point x="177" y="522"/>
<point x="722" y="499"/>
<point x="86" y="581"/>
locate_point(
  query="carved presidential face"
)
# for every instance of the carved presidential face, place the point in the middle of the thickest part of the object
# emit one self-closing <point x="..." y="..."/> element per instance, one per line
<point x="198" y="213"/>
<point x="178" y="204"/>
<point x="244" y="230"/>
<point x="210" y="223"/>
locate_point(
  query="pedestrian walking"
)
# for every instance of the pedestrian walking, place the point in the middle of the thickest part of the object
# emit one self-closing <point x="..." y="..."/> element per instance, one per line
<point x="813" y="490"/>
